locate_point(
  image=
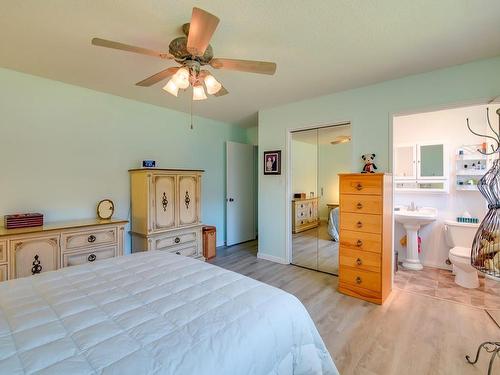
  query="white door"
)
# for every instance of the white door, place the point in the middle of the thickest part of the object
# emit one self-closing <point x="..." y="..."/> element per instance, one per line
<point x="240" y="201"/>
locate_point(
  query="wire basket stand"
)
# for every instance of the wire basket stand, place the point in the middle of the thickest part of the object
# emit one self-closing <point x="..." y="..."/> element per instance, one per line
<point x="485" y="253"/>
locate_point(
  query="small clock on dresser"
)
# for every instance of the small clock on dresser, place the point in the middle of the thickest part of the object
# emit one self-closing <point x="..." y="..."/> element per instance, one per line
<point x="105" y="209"/>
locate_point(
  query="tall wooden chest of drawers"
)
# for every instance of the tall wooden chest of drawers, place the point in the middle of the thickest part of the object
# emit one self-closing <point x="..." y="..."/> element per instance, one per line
<point x="365" y="253"/>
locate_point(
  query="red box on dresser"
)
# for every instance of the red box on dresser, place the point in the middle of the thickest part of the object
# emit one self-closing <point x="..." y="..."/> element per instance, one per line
<point x="23" y="220"/>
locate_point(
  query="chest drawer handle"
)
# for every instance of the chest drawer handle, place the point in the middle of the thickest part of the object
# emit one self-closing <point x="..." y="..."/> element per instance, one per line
<point x="359" y="206"/>
<point x="359" y="186"/>
<point x="359" y="224"/>
<point x="359" y="243"/>
<point x="358" y="280"/>
<point x="359" y="262"/>
<point x="91" y="258"/>
<point x="178" y="252"/>
<point x="177" y="240"/>
<point x="91" y="238"/>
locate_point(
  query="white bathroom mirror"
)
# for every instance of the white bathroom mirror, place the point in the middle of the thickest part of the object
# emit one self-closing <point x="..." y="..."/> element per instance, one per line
<point x="431" y="161"/>
<point x="404" y="162"/>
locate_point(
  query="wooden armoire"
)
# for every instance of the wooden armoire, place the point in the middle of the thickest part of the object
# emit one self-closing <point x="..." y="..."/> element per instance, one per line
<point x="166" y="211"/>
<point x="365" y="253"/>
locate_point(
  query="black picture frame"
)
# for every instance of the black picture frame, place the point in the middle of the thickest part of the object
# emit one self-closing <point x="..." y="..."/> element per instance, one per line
<point x="272" y="162"/>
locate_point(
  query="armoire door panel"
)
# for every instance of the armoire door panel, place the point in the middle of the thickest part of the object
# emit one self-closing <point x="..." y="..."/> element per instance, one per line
<point x="164" y="202"/>
<point x="32" y="256"/>
<point x="188" y="200"/>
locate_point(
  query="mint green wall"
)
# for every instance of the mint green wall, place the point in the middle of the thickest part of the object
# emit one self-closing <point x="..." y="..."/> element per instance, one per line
<point x="370" y="110"/>
<point x="63" y="148"/>
<point x="252" y="135"/>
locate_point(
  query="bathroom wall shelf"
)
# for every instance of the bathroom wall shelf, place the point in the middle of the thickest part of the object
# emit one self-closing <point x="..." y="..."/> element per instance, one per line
<point x="471" y="165"/>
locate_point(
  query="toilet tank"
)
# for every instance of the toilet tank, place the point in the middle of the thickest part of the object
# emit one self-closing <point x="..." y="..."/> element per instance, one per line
<point x="459" y="234"/>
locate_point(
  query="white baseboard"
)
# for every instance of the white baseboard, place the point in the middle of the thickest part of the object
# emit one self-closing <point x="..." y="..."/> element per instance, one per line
<point x="271" y="258"/>
<point x="431" y="264"/>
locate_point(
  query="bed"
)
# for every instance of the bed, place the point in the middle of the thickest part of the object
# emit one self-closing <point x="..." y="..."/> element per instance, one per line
<point x="154" y="313"/>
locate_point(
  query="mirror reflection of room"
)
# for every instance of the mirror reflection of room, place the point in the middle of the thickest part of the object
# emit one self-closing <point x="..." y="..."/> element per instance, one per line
<point x="317" y="157"/>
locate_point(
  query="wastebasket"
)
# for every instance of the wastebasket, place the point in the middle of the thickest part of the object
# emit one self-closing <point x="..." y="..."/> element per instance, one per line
<point x="209" y="236"/>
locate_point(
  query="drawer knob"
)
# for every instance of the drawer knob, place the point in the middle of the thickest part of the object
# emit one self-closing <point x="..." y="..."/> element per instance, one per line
<point x="359" y="206"/>
<point x="178" y="252"/>
<point x="359" y="243"/>
<point x="358" y="280"/>
<point x="359" y="186"/>
<point x="359" y="262"/>
<point x="91" y="258"/>
<point x="91" y="238"/>
<point x="177" y="240"/>
<point x="359" y="224"/>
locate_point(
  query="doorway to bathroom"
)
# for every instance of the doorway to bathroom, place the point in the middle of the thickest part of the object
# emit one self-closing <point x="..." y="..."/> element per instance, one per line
<point x="438" y="208"/>
<point x="317" y="156"/>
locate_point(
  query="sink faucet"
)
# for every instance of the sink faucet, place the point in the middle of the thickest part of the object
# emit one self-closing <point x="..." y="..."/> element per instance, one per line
<point x="413" y="207"/>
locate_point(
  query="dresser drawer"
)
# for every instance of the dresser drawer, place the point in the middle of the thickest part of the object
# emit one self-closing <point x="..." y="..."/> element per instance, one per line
<point x="186" y="250"/>
<point x="362" y="260"/>
<point x="361" y="241"/>
<point x="363" y="279"/>
<point x="367" y="204"/>
<point x="3" y="251"/>
<point x="3" y="272"/>
<point x="76" y="258"/>
<point x="163" y="243"/>
<point x="361" y="222"/>
<point x="75" y="240"/>
<point x="364" y="184"/>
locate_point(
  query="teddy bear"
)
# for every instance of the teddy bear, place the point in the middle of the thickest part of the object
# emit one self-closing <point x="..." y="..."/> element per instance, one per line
<point x="369" y="166"/>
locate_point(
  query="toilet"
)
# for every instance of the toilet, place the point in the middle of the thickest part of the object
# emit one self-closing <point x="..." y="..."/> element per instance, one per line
<point x="459" y="237"/>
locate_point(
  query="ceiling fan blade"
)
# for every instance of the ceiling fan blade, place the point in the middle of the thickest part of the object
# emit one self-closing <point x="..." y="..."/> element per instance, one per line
<point x="260" y="67"/>
<point x="126" y="47"/>
<point x="155" y="78"/>
<point x="201" y="29"/>
<point x="221" y="92"/>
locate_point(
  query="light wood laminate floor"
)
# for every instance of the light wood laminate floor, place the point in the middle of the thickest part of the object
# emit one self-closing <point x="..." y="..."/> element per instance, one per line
<point x="409" y="334"/>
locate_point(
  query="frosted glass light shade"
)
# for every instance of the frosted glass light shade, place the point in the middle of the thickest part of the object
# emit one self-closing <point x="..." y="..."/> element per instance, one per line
<point x="213" y="86"/>
<point x="171" y="88"/>
<point x="181" y="78"/>
<point x="199" y="93"/>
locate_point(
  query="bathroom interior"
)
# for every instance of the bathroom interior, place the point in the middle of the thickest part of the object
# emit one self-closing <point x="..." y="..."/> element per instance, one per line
<point x="438" y="206"/>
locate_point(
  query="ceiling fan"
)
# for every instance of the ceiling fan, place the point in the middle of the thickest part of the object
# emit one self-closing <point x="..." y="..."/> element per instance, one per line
<point x="192" y="52"/>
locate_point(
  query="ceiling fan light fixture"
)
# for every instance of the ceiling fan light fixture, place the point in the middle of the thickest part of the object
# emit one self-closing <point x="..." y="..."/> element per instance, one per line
<point x="171" y="88"/>
<point x="199" y="93"/>
<point x="213" y="86"/>
<point x="181" y="78"/>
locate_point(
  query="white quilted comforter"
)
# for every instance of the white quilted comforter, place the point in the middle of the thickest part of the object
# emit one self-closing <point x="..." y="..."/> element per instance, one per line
<point x="154" y="313"/>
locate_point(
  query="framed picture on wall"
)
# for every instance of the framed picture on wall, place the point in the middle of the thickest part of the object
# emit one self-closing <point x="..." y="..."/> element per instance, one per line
<point x="272" y="162"/>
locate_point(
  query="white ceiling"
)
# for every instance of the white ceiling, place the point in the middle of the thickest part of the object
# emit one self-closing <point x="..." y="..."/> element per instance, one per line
<point x="320" y="46"/>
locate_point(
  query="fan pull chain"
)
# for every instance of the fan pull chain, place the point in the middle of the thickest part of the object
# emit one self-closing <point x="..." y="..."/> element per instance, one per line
<point x="191" y="112"/>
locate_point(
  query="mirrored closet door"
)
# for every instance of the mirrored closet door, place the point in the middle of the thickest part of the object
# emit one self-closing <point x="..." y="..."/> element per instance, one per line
<point x="317" y="157"/>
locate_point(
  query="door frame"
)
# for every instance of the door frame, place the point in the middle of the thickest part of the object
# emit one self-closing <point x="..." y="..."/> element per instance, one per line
<point x="288" y="177"/>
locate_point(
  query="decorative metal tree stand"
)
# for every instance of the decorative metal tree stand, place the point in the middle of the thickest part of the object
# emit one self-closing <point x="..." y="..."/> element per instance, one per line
<point x="485" y="254"/>
<point x="489" y="347"/>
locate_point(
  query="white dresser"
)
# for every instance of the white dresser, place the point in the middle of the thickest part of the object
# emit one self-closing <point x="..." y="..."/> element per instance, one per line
<point x="29" y="251"/>
<point x="304" y="214"/>
<point x="166" y="212"/>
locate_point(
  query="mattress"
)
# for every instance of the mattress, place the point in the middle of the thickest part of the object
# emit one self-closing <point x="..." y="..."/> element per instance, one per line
<point x="154" y="313"/>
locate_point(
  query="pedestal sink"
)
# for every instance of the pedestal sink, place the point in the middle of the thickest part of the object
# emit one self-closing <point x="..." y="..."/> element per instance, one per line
<point x="412" y="219"/>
